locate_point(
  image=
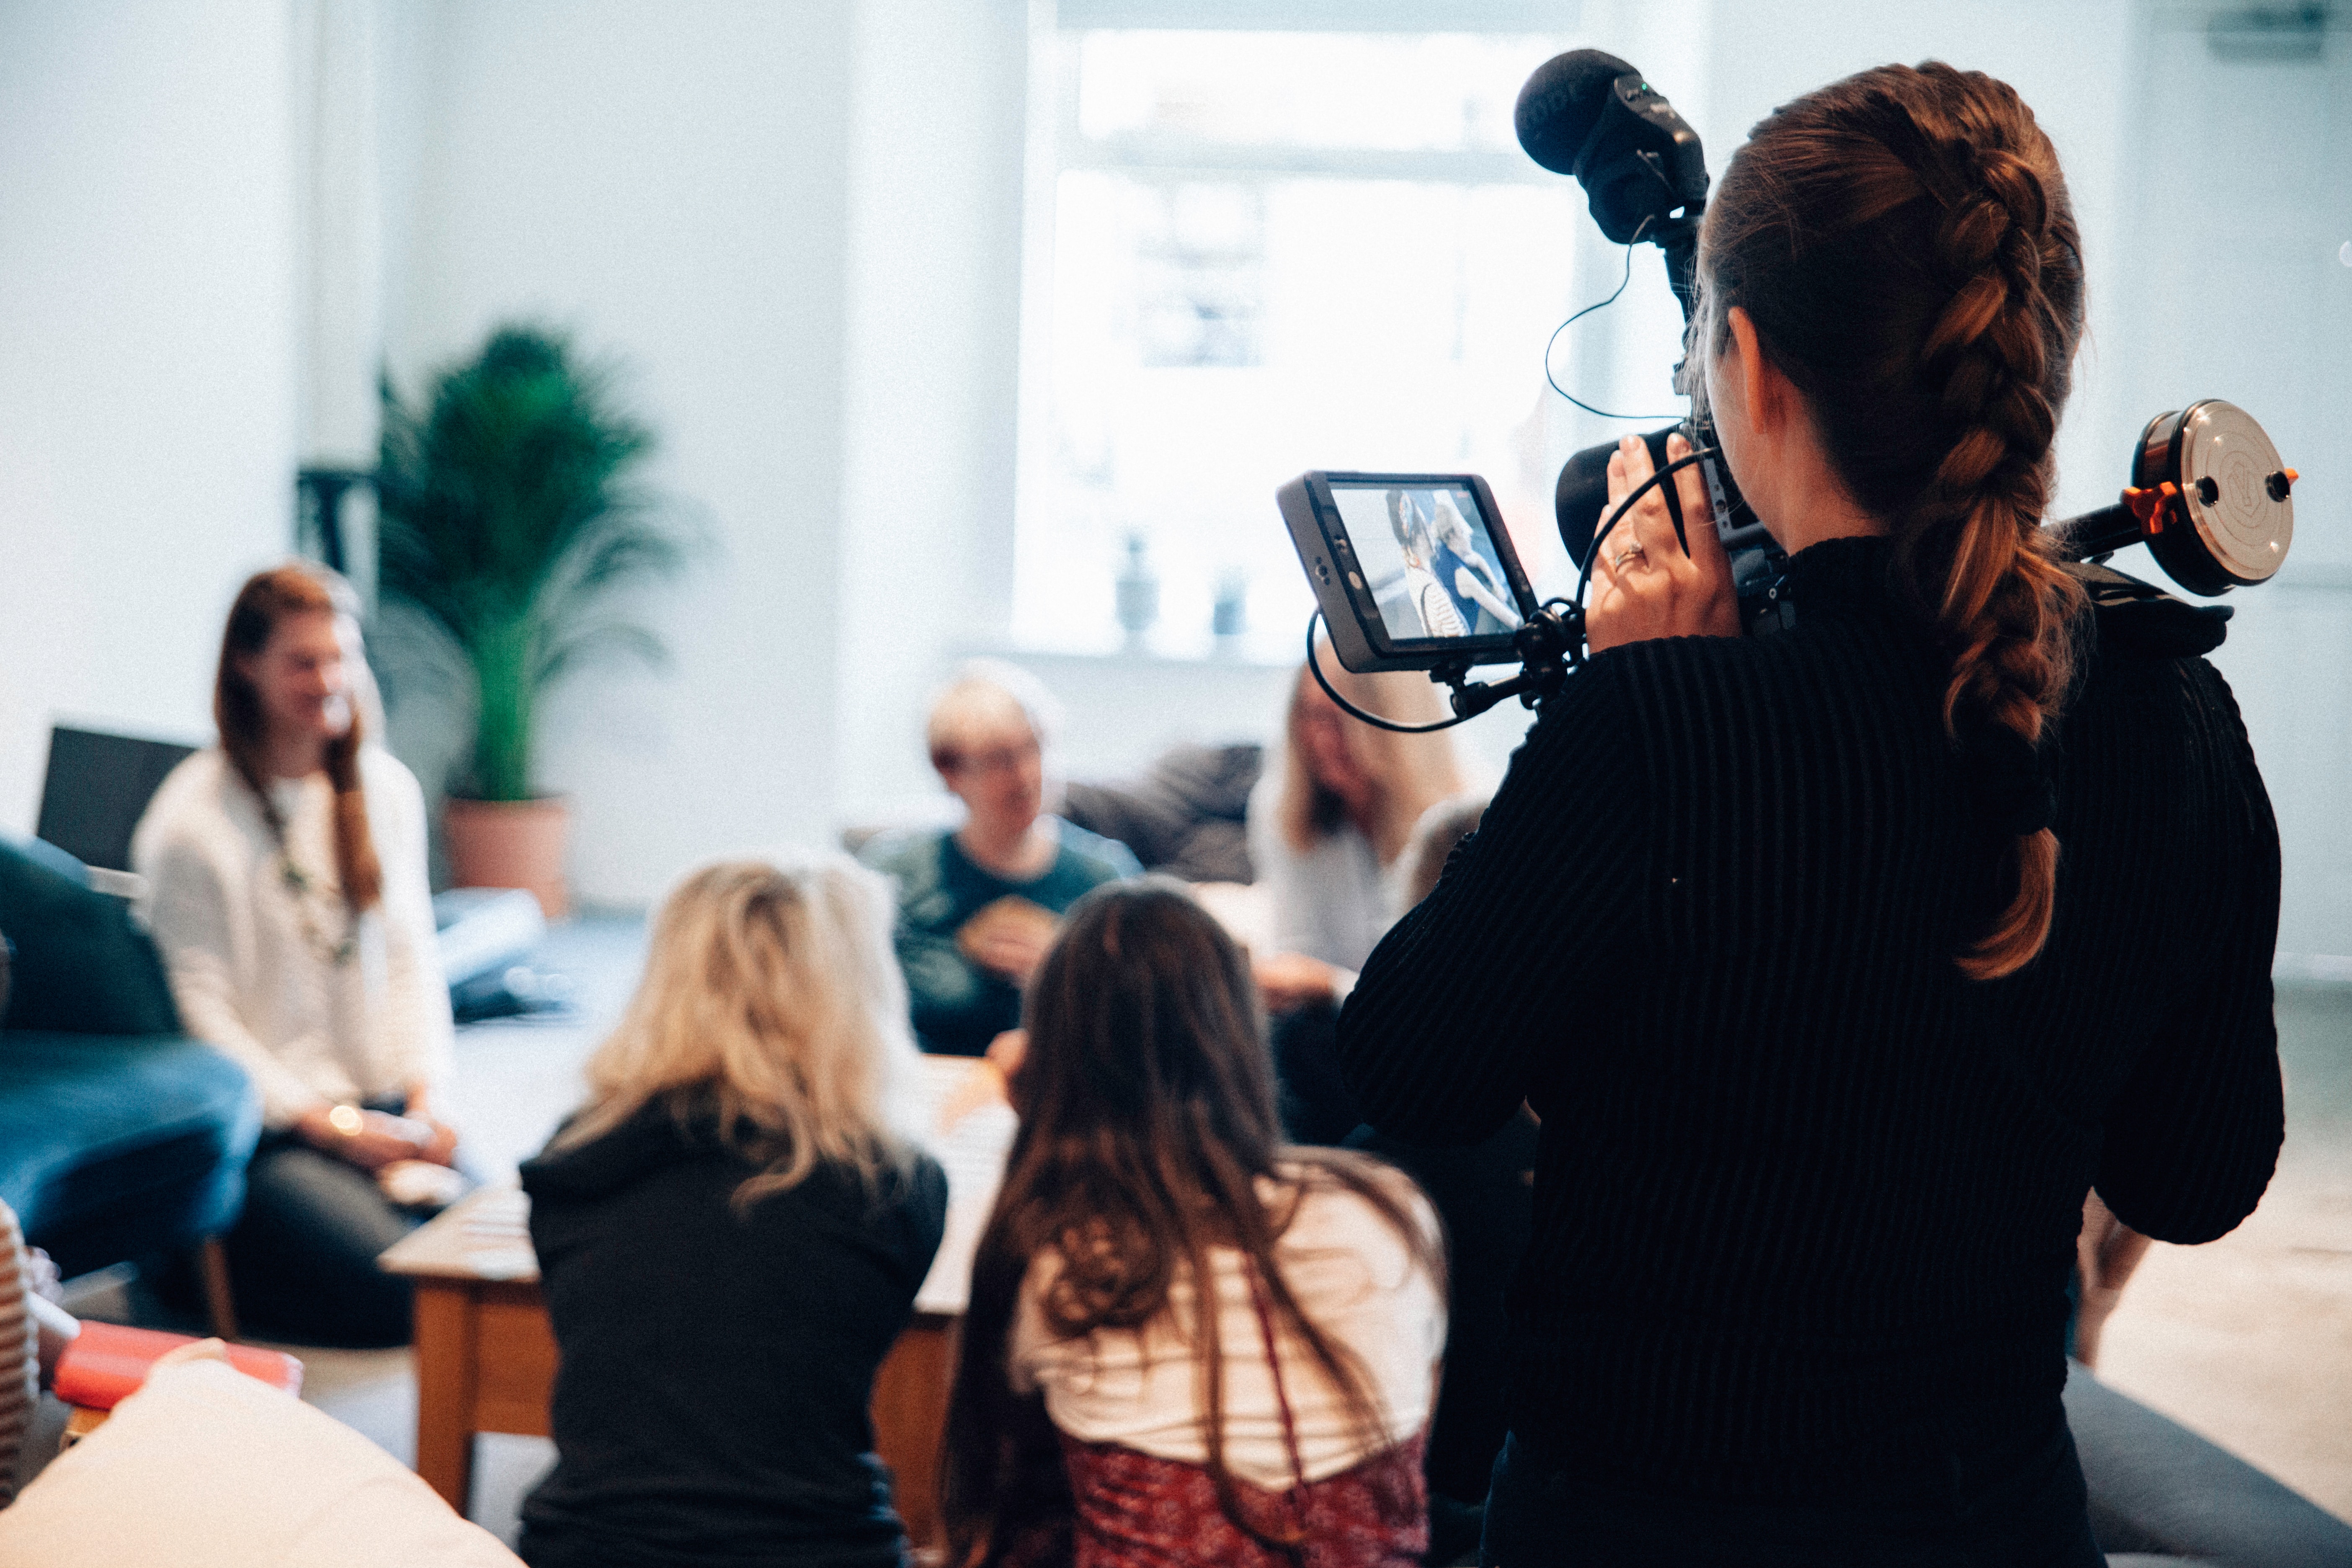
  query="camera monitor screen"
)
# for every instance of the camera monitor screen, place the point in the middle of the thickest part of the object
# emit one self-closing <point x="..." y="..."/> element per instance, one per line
<point x="1413" y="570"/>
<point x="1430" y="561"/>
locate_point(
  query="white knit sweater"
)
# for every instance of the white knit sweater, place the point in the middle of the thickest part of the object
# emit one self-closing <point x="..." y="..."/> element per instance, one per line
<point x="317" y="1008"/>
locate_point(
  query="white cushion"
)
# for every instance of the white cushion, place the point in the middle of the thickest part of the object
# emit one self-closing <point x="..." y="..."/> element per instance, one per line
<point x="207" y="1466"/>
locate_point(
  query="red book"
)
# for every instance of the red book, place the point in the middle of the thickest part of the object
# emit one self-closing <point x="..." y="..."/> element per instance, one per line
<point x="106" y="1364"/>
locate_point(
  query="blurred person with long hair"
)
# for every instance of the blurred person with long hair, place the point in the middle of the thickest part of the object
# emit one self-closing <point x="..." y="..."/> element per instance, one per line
<point x="1187" y="1344"/>
<point x="731" y="1234"/>
<point x="1328" y="825"/>
<point x="1827" y="1037"/>
<point x="286" y="887"/>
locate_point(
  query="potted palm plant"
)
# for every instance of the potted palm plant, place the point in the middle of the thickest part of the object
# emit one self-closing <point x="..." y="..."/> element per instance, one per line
<point x="509" y="524"/>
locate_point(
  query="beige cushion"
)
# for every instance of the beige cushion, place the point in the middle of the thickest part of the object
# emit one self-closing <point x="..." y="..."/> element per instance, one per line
<point x="205" y="1467"/>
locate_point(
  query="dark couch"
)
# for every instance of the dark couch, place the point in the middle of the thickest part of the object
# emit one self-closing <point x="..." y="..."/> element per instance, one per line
<point x="1184" y="817"/>
<point x="2162" y="1497"/>
<point x="120" y="1137"/>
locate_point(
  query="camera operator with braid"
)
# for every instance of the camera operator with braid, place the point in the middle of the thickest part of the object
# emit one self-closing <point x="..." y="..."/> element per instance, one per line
<point x="1841" y="963"/>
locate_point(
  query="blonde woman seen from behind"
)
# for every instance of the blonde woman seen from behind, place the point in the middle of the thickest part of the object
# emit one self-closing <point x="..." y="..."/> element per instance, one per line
<point x="731" y="1234"/>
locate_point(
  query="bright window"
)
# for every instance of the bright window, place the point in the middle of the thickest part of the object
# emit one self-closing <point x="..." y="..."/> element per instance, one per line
<point x="1268" y="252"/>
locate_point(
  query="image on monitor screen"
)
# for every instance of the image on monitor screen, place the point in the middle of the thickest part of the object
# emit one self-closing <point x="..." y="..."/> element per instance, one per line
<point x="1426" y="555"/>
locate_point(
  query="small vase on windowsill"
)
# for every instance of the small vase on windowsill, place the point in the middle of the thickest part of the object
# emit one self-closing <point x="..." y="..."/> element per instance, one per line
<point x="1139" y="594"/>
<point x="510" y="844"/>
<point x="1228" y="615"/>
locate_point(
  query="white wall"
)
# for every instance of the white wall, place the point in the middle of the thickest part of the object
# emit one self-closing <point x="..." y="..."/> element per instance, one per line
<point x="671" y="180"/>
<point x="931" y="373"/>
<point x="2241" y="194"/>
<point x="146" y="386"/>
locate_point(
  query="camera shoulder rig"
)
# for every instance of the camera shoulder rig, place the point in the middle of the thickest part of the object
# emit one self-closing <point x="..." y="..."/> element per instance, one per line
<point x="2140" y="620"/>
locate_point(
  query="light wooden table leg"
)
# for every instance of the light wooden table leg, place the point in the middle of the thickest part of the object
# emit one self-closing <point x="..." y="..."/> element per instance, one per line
<point x="448" y="1370"/>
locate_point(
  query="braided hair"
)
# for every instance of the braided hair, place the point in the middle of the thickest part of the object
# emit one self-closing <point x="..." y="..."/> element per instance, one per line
<point x="1903" y="243"/>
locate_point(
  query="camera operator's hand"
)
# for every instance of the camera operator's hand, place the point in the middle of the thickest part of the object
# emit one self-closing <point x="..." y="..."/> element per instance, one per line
<point x="1645" y="584"/>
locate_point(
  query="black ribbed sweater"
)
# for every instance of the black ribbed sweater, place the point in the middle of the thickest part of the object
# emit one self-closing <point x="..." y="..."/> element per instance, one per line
<point x="1806" y="1198"/>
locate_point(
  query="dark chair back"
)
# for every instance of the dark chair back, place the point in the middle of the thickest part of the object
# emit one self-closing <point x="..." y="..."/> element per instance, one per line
<point x="97" y="788"/>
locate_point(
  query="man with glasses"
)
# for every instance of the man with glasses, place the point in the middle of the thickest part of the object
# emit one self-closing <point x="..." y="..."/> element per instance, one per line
<point x="978" y="904"/>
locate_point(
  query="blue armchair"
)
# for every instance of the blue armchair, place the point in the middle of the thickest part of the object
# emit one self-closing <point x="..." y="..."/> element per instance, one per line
<point x="120" y="1137"/>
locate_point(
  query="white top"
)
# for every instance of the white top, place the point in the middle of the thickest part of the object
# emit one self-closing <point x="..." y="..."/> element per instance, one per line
<point x="1439" y="618"/>
<point x="1331" y="901"/>
<point x="254" y="961"/>
<point x="1352" y="1275"/>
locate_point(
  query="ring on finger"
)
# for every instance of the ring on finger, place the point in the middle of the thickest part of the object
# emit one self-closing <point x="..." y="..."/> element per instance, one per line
<point x="1632" y="551"/>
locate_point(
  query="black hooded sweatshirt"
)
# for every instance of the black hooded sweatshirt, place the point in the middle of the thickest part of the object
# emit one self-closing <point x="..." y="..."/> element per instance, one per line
<point x="719" y="1363"/>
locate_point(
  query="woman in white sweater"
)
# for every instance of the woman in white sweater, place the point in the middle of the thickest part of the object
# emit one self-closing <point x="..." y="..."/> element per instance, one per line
<point x="286" y="887"/>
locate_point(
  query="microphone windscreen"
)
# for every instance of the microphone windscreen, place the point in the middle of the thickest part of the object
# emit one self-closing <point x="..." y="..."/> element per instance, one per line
<point x="1561" y="103"/>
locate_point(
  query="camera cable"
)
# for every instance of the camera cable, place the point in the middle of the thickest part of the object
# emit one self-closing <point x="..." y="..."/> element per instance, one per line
<point x="1552" y="341"/>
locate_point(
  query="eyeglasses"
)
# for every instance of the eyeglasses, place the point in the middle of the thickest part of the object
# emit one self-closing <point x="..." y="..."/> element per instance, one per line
<point x="995" y="760"/>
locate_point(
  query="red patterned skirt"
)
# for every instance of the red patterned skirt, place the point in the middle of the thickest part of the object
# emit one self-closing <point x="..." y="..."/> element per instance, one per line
<point x="1137" y="1512"/>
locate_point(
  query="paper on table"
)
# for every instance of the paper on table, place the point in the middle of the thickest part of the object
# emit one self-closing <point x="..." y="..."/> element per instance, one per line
<point x="972" y="1153"/>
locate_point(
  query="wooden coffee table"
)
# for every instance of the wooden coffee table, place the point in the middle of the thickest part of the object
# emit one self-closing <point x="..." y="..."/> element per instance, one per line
<point x="486" y="1356"/>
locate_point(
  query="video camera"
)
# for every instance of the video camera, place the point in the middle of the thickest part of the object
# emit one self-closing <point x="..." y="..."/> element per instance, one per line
<point x="1417" y="571"/>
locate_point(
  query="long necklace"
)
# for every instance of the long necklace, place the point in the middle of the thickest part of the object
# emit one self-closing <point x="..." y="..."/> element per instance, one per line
<point x="309" y="893"/>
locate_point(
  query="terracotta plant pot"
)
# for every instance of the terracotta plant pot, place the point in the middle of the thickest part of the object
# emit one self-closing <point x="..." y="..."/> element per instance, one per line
<point x="510" y="844"/>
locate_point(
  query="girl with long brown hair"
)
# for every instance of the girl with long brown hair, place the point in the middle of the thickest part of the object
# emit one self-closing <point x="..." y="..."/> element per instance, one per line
<point x="1187" y="1342"/>
<point x="285" y="886"/>
<point x="1839" y="962"/>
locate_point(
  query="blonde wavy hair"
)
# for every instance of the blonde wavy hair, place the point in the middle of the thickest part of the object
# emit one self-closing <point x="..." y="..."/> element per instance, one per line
<point x="770" y="995"/>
